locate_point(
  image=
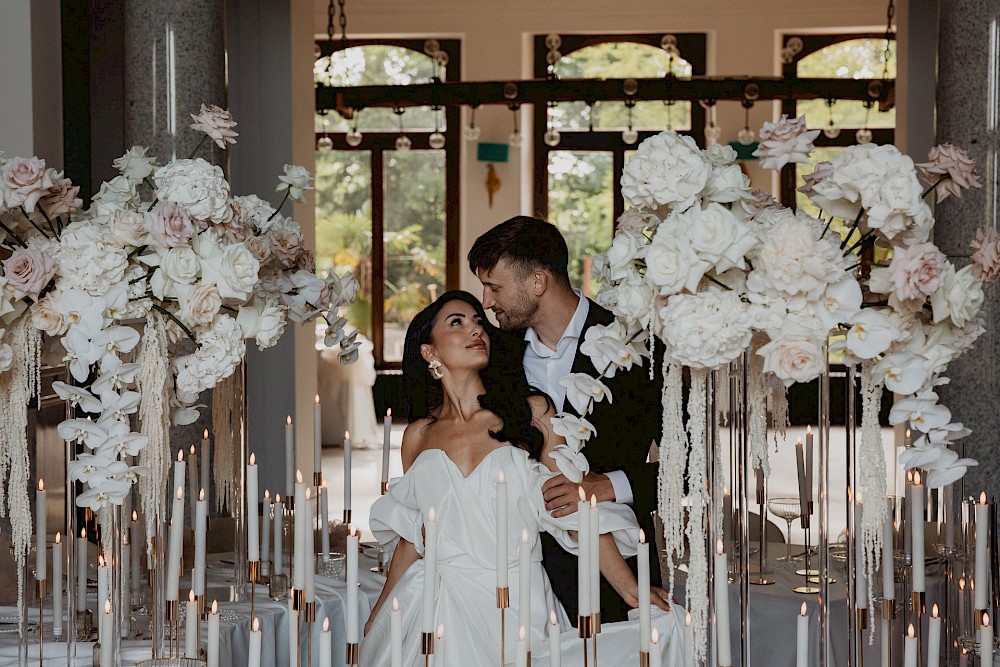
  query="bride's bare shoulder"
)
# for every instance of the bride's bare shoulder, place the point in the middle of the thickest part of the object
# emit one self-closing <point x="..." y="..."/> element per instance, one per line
<point x="413" y="441"/>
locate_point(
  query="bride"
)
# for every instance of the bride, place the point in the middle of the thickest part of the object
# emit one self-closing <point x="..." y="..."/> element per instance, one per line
<point x="473" y="416"/>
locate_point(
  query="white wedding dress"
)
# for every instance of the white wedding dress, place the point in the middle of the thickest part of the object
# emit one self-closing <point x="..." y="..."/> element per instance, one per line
<point x="465" y="509"/>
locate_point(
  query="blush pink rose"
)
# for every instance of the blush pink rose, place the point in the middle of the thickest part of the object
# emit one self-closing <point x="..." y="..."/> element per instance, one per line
<point x="170" y="225"/>
<point x="217" y="123"/>
<point x="986" y="255"/>
<point x="23" y="181"/>
<point x="28" y="272"/>
<point x="916" y="271"/>
<point x="285" y="246"/>
<point x="61" y="198"/>
<point x="950" y="170"/>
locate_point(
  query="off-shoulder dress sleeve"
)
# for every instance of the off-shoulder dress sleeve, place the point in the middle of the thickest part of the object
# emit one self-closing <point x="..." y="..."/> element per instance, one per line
<point x="396" y="514"/>
<point x="616" y="519"/>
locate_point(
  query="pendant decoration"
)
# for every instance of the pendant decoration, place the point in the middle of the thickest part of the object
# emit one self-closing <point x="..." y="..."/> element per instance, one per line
<point x="154" y="420"/>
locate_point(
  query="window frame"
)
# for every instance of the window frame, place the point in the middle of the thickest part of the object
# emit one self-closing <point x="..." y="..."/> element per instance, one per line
<point x="811" y="43"/>
<point x="693" y="49"/>
<point x="376" y="144"/>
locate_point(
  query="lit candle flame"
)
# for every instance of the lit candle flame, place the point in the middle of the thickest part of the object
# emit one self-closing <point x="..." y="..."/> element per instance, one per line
<point x="317" y="399"/>
<point x="986" y="620"/>
<point x="441" y="632"/>
<point x="642" y="536"/>
<point x="552" y="617"/>
<point x="41" y="484"/>
<point x="654" y="637"/>
<point x="100" y="561"/>
<point x="583" y="496"/>
<point x="215" y="606"/>
<point x="180" y="492"/>
<point x="253" y="459"/>
<point x="395" y="603"/>
<point x="277" y="498"/>
<point x="388" y="413"/>
<point x="524" y="536"/>
<point x="288" y="420"/>
<point x="58" y="538"/>
<point x="718" y="546"/>
<point x="688" y="620"/>
<point x="107" y="606"/>
<point x="201" y="495"/>
<point x="309" y="493"/>
<point x="802" y="610"/>
<point x="191" y="596"/>
<point x="326" y="624"/>
<point x="916" y="478"/>
<point x="934" y="611"/>
<point x="431" y="514"/>
<point x="500" y="478"/>
<point x="982" y="498"/>
<point x="180" y="454"/>
<point x="298" y="476"/>
<point x="267" y="496"/>
<point x="204" y="436"/>
<point x="520" y="633"/>
<point x="347" y="435"/>
<point x="593" y="501"/>
<point x="135" y="515"/>
<point x="83" y="533"/>
<point x="909" y="631"/>
<point x="809" y="429"/>
<point x="961" y="584"/>
<point x="256" y="624"/>
<point x="192" y="450"/>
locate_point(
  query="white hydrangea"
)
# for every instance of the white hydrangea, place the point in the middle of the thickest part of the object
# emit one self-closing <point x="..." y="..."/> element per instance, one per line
<point x="199" y="186"/>
<point x="667" y="171"/>
<point x="90" y="258"/>
<point x="705" y="330"/>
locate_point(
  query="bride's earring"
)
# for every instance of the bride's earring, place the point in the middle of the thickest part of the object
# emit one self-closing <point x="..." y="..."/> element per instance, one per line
<point x="435" y="368"/>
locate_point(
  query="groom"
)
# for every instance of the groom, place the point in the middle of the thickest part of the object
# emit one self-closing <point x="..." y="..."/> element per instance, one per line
<point x="522" y="264"/>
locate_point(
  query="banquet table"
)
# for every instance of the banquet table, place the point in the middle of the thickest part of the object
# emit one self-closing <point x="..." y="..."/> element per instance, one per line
<point x="774" y="608"/>
<point x="234" y="634"/>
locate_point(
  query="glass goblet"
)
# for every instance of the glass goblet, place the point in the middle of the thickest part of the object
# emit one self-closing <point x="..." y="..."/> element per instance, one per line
<point x="788" y="509"/>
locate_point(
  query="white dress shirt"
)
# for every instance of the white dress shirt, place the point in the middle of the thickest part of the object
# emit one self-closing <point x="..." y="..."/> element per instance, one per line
<point x="545" y="367"/>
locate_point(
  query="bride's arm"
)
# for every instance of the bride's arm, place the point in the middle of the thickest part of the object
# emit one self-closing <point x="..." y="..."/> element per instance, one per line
<point x="622" y="579"/>
<point x="405" y="553"/>
<point x="402" y="558"/>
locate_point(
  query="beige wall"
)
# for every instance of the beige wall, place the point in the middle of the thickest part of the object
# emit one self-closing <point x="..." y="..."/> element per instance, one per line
<point x="743" y="39"/>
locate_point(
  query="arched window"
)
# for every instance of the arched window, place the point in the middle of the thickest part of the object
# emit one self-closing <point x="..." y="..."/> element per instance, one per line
<point x="577" y="183"/>
<point x="389" y="215"/>
<point x="837" y="56"/>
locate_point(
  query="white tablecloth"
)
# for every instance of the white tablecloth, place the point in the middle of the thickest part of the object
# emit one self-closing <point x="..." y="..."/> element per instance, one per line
<point x="234" y="635"/>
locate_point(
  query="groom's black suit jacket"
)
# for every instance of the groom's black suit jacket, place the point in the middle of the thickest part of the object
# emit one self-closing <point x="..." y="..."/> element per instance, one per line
<point x="625" y="429"/>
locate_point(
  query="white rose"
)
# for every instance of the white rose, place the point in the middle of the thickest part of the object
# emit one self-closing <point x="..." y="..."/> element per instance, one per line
<point x="255" y="211"/>
<point x="794" y="358"/>
<point x="265" y="323"/>
<point x="960" y="296"/>
<point x="199" y="305"/>
<point x="232" y="268"/>
<point x="89" y="258"/>
<point x="726" y="184"/>
<point x="126" y="227"/>
<point x="671" y="263"/>
<point x="45" y="316"/>
<point x="115" y="194"/>
<point x="260" y="248"/>
<point x="134" y="165"/>
<point x="296" y="179"/>
<point x="179" y="265"/>
<point x="623" y="251"/>
<point x="633" y="302"/>
<point x="718" y="236"/>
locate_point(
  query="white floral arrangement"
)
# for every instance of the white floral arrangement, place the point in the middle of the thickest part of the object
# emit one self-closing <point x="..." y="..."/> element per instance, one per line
<point x="165" y="254"/>
<point x="713" y="270"/>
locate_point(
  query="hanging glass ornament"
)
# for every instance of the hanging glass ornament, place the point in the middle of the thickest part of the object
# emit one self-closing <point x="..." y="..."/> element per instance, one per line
<point x="403" y="143"/>
<point x="472" y="132"/>
<point x="353" y="137"/>
<point x="514" y="139"/>
<point x="436" y="140"/>
<point x="863" y="136"/>
<point x="324" y="143"/>
<point x="552" y="137"/>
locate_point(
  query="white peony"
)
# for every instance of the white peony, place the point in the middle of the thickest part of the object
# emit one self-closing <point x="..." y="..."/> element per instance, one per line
<point x="199" y="186"/>
<point x="667" y="171"/>
<point x="792" y="258"/>
<point x="672" y="265"/>
<point x="705" y="330"/>
<point x="90" y="258"/>
<point x="114" y="195"/>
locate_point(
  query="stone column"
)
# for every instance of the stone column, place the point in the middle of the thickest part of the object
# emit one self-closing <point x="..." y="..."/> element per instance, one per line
<point x="175" y="60"/>
<point x="968" y="112"/>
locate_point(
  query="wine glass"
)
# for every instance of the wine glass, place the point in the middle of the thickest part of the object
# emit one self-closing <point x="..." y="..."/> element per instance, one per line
<point x="788" y="509"/>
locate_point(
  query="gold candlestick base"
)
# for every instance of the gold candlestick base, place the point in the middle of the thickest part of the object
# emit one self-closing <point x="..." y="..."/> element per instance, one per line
<point x="584" y="626"/>
<point x="351" y="655"/>
<point x="863" y="619"/>
<point x="385" y="488"/>
<point x="596" y="620"/>
<point x="643" y="658"/>
<point x="426" y="643"/>
<point x="503" y="598"/>
<point x="290" y="503"/>
<point x="309" y="612"/>
<point x="919" y="606"/>
<point x="347" y="516"/>
<point x="253" y="570"/>
<point x="317" y="479"/>
<point x="170" y="613"/>
<point x="298" y="600"/>
<point x="888" y="609"/>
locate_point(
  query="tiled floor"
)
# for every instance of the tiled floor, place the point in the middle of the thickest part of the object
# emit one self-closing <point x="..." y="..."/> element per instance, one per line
<point x="367" y="466"/>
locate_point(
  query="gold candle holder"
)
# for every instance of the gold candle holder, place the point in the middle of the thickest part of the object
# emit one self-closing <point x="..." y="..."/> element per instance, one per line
<point x="290" y="504"/>
<point x="863" y="619"/>
<point x="919" y="606"/>
<point x="888" y="609"/>
<point x="503" y="597"/>
<point x="309" y="612"/>
<point x="253" y="569"/>
<point x="643" y="658"/>
<point x="351" y="655"/>
<point x="299" y="600"/>
<point x="347" y="516"/>
<point x="385" y="488"/>
<point x="585" y="627"/>
<point x="317" y="479"/>
<point x="596" y="620"/>
<point x="171" y="615"/>
<point x="426" y="643"/>
<point x="503" y="602"/>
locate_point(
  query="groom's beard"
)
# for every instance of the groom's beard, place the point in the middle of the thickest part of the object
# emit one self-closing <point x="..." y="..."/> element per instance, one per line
<point x="520" y="315"/>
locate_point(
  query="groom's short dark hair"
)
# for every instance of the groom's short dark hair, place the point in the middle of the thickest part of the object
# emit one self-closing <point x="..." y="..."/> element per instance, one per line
<point x="526" y="244"/>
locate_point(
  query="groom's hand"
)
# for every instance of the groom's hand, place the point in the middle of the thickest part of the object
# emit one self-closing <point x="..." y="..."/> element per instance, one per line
<point x="562" y="495"/>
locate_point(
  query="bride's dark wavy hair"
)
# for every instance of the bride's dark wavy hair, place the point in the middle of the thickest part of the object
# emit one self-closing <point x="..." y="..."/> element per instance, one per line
<point x="507" y="389"/>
